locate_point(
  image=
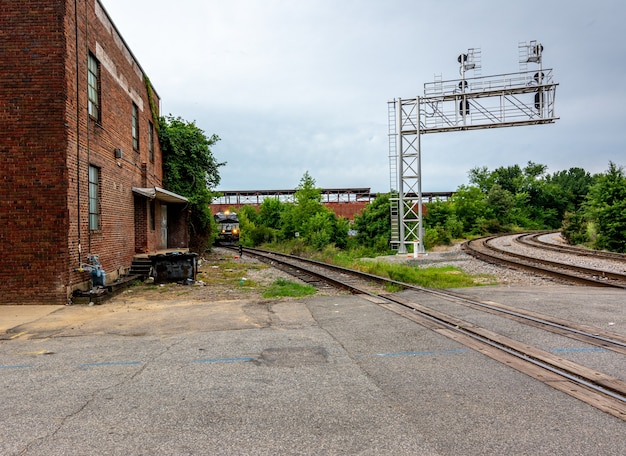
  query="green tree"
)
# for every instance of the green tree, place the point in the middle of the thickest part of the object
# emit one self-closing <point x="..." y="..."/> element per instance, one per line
<point x="437" y="213"/>
<point x="252" y="229"/>
<point x="571" y="186"/>
<point x="190" y="169"/>
<point x="308" y="202"/>
<point x="319" y="229"/>
<point x="315" y="224"/>
<point x="269" y="212"/>
<point x="501" y="202"/>
<point x="509" y="178"/>
<point x="470" y="207"/>
<point x="606" y="206"/>
<point x="534" y="171"/>
<point x="341" y="228"/>
<point x="575" y="228"/>
<point x="557" y="194"/>
<point x="373" y="224"/>
<point x="308" y="198"/>
<point x="527" y="197"/>
<point x="481" y="178"/>
<point x="441" y="224"/>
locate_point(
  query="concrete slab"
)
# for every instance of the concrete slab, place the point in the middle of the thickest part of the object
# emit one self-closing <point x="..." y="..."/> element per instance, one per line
<point x="13" y="316"/>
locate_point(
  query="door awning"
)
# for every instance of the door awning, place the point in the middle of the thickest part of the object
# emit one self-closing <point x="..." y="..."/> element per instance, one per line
<point x="160" y="194"/>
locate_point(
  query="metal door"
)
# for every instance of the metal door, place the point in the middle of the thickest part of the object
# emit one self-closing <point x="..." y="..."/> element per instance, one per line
<point x="163" y="226"/>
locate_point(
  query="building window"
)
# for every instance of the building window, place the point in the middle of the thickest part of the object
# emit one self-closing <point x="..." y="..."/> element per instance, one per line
<point x="152" y="215"/>
<point x="94" y="198"/>
<point x="151" y="141"/>
<point x="93" y="87"/>
<point x="135" y="128"/>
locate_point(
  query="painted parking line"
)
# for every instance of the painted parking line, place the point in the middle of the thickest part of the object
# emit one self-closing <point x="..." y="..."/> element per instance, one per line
<point x="424" y="353"/>
<point x="224" y="360"/>
<point x="37" y="353"/>
<point x="111" y="363"/>
<point x="249" y="358"/>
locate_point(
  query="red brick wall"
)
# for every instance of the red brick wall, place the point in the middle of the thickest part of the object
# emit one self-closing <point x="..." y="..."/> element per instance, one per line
<point x="33" y="175"/>
<point x="141" y="224"/>
<point x="47" y="143"/>
<point x="347" y="210"/>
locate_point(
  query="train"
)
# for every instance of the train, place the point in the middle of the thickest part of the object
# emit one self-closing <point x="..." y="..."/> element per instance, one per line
<point x="228" y="227"/>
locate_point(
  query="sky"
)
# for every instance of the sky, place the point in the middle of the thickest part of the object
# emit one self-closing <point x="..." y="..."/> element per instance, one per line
<point x="296" y="86"/>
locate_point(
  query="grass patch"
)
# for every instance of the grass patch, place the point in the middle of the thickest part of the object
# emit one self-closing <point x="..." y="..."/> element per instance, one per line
<point x="244" y="282"/>
<point x="282" y="288"/>
<point x="164" y="287"/>
<point x="435" y="277"/>
<point x="393" y="288"/>
<point x="431" y="277"/>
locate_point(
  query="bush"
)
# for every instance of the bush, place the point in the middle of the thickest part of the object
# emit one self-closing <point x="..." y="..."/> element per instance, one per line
<point x="490" y="226"/>
<point x="574" y="228"/>
<point x="606" y="206"/>
<point x="436" y="236"/>
<point x="258" y="235"/>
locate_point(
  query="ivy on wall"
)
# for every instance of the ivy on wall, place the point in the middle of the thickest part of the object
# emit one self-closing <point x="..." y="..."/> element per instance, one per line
<point x="153" y="107"/>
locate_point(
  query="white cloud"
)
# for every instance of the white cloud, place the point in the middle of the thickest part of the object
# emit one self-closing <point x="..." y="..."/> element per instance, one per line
<point x="292" y="86"/>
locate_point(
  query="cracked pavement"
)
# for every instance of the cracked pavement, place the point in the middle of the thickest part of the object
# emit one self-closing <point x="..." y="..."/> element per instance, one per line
<point x="218" y="370"/>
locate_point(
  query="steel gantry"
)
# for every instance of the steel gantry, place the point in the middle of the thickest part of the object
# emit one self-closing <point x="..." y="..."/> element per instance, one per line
<point x="504" y="100"/>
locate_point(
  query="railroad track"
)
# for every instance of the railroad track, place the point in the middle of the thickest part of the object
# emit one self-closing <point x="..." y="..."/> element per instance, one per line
<point x="603" y="391"/>
<point x="486" y="250"/>
<point x="534" y="240"/>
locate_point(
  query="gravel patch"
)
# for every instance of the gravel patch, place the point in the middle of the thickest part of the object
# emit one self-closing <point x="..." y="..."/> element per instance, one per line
<point x="603" y="264"/>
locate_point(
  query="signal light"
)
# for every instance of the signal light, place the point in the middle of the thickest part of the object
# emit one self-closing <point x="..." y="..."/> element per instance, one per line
<point x="464" y="107"/>
<point x="538" y="100"/>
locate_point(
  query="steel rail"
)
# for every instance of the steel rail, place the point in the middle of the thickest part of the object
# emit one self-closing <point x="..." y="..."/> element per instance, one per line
<point x="610" y="341"/>
<point x="596" y="383"/>
<point x="532" y="239"/>
<point x="608" y="385"/>
<point x="591" y="271"/>
<point x="341" y="269"/>
<point x="491" y="254"/>
<point x="600" y="338"/>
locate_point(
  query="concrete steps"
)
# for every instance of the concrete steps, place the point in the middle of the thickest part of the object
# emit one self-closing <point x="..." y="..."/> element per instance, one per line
<point x="141" y="266"/>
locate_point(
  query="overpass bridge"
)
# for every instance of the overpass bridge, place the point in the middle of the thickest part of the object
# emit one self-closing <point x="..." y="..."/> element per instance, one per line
<point x="345" y="202"/>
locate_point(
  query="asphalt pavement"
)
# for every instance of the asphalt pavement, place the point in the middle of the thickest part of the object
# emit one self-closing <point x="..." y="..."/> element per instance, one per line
<point x="325" y="375"/>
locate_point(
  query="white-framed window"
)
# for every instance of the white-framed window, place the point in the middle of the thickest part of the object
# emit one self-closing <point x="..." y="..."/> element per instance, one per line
<point x="94" y="198"/>
<point x="135" y="127"/>
<point x="93" y="87"/>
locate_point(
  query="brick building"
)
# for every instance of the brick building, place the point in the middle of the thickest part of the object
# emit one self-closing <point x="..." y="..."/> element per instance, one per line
<point x="80" y="161"/>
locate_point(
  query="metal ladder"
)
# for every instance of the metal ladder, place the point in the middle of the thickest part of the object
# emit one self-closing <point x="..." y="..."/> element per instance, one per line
<point x="394" y="202"/>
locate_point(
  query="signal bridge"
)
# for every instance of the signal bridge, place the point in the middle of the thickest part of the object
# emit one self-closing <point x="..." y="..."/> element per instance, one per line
<point x="488" y="102"/>
<point x="504" y="100"/>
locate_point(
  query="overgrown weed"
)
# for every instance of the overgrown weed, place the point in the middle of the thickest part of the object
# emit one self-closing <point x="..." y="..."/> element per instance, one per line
<point x="282" y="288"/>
